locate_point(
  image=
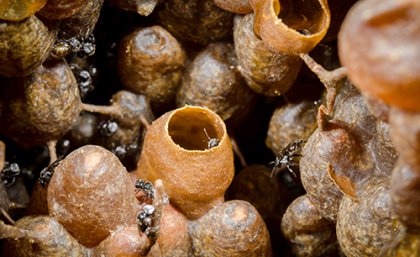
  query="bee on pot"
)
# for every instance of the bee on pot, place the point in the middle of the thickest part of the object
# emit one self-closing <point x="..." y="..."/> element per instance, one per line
<point x="212" y="142"/>
<point x="108" y="128"/>
<point x="46" y="174"/>
<point x="145" y="220"/>
<point x="146" y="187"/>
<point x="289" y="157"/>
<point x="9" y="173"/>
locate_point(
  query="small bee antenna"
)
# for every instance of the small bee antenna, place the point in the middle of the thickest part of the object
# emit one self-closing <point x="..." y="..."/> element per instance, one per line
<point x="205" y="131"/>
<point x="275" y="164"/>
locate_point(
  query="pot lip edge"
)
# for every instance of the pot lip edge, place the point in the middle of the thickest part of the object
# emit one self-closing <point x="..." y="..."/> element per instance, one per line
<point x="218" y="120"/>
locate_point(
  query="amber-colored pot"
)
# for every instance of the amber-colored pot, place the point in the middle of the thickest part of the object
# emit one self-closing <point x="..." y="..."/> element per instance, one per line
<point x="189" y="149"/>
<point x="291" y="27"/>
<point x="379" y="45"/>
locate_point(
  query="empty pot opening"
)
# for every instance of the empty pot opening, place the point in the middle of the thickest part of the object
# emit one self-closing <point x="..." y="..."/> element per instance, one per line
<point x="195" y="129"/>
<point x="304" y="16"/>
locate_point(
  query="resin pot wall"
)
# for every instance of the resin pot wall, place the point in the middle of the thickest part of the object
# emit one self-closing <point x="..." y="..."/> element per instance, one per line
<point x="177" y="150"/>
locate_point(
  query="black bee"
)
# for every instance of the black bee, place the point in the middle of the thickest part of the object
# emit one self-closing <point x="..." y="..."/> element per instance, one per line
<point x="289" y="157"/>
<point x="9" y="173"/>
<point x="304" y="32"/>
<point x="88" y="47"/>
<point x="144" y="218"/>
<point x="46" y="174"/>
<point x="75" y="43"/>
<point x="108" y="128"/>
<point x="212" y="142"/>
<point x="83" y="47"/>
<point x="146" y="187"/>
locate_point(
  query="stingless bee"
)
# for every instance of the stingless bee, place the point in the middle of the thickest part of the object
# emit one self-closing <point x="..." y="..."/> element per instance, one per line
<point x="146" y="187"/>
<point x="289" y="157"/>
<point x="212" y="142"/>
<point x="46" y="173"/>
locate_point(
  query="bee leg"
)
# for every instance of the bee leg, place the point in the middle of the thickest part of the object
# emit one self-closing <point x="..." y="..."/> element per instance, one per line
<point x="289" y="167"/>
<point x="273" y="170"/>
